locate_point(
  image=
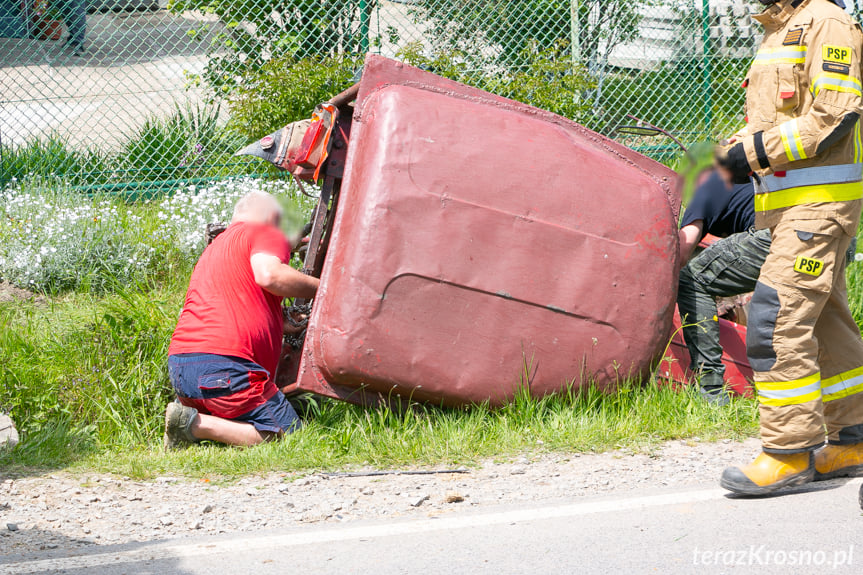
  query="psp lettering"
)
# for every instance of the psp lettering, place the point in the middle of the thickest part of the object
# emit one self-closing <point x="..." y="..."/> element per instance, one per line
<point x="840" y="54"/>
<point x="837" y="53"/>
<point x="809" y="266"/>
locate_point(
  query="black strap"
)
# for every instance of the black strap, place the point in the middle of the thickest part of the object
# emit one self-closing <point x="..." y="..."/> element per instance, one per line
<point x="760" y="151"/>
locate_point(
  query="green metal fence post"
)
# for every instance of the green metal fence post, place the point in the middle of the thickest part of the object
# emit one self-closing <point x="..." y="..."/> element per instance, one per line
<point x="365" y="20"/>
<point x="707" y="65"/>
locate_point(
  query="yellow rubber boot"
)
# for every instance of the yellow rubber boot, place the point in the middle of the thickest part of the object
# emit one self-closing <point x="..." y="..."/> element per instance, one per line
<point x="769" y="472"/>
<point x="838" y="461"/>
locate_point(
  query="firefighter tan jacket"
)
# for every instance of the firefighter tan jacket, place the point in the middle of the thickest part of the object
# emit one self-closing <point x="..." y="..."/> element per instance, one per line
<point x="803" y="104"/>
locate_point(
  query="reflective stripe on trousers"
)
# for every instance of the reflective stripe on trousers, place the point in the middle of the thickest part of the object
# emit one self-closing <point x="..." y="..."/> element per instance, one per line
<point x="792" y="392"/>
<point x="842" y="385"/>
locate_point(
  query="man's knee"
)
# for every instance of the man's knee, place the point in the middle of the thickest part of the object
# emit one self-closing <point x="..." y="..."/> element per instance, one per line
<point x="687" y="281"/>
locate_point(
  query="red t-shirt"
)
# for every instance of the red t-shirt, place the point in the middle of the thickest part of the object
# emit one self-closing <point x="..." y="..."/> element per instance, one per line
<point x="226" y="312"/>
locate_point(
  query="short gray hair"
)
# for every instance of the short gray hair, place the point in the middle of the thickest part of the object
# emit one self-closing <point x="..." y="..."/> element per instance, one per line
<point x="256" y="206"/>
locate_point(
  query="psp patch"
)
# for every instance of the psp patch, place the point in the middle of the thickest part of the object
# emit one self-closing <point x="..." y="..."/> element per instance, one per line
<point x="836" y="54"/>
<point x="808" y="266"/>
<point x="793" y="37"/>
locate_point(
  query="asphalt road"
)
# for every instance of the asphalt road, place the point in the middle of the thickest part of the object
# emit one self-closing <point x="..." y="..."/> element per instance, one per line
<point x="813" y="529"/>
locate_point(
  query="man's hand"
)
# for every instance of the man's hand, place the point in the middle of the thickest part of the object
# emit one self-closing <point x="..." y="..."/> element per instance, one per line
<point x="301" y="240"/>
<point x="298" y="318"/>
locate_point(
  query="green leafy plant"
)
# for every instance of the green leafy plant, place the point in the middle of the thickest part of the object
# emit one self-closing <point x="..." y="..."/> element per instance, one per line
<point x="254" y="32"/>
<point x="507" y="27"/>
<point x="547" y="79"/>
<point x="184" y="144"/>
<point x="285" y="90"/>
<point x="52" y="157"/>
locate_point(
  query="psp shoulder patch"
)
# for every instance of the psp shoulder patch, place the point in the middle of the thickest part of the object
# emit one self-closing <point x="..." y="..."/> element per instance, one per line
<point x="808" y="266"/>
<point x="793" y="37"/>
<point x="836" y="54"/>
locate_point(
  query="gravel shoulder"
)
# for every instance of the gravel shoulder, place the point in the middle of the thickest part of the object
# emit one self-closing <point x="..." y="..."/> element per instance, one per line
<point x="68" y="511"/>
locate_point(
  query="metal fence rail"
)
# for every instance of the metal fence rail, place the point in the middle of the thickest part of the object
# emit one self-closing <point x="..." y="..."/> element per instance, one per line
<point x="136" y="100"/>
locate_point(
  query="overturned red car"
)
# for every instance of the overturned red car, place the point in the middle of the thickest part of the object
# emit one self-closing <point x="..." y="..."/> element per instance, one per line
<point x="469" y="245"/>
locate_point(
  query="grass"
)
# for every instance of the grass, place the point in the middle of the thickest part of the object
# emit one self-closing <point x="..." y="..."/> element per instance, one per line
<point x="191" y="142"/>
<point x="338" y="435"/>
<point x="52" y="157"/>
<point x="86" y="378"/>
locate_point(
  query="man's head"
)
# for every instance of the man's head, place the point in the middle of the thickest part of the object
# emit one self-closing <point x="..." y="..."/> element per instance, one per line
<point x="258" y="207"/>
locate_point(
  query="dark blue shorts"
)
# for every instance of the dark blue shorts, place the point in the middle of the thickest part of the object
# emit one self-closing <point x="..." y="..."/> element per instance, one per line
<point x="231" y="388"/>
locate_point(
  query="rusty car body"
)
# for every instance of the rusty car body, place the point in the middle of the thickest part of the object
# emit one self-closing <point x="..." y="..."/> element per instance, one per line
<point x="469" y="246"/>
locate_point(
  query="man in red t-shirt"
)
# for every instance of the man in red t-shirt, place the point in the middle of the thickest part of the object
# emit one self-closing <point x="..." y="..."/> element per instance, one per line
<point x="225" y="349"/>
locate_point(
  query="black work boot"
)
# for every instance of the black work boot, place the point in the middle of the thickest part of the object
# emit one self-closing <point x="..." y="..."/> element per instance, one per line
<point x="713" y="390"/>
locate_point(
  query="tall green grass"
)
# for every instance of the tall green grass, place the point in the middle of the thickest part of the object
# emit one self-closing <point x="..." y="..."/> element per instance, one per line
<point x="190" y="142"/>
<point x="84" y="375"/>
<point x="341" y="436"/>
<point x="93" y="363"/>
<point x="52" y="158"/>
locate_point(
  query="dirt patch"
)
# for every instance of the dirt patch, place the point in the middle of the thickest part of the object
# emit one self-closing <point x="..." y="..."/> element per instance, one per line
<point x="73" y="510"/>
<point x="8" y="293"/>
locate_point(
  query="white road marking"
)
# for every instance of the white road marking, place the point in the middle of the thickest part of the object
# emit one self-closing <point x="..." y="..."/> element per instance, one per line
<point x="333" y="534"/>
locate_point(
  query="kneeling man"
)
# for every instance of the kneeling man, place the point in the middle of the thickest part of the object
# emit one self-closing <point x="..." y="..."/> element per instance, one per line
<point x="225" y="349"/>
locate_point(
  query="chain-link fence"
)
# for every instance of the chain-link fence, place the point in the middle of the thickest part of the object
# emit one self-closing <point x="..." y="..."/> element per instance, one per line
<point x="108" y="92"/>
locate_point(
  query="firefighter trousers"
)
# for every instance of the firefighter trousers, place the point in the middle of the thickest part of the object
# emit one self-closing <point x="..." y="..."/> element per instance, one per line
<point x="802" y="341"/>
<point x="727" y="268"/>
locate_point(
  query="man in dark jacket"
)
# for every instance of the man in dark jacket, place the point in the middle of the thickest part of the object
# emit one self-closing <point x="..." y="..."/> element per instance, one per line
<point x="727" y="268"/>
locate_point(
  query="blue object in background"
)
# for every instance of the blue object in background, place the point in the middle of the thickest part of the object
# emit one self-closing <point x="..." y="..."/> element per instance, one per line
<point x="11" y="21"/>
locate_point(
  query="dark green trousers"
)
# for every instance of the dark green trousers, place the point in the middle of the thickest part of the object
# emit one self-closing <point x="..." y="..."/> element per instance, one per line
<point x="728" y="268"/>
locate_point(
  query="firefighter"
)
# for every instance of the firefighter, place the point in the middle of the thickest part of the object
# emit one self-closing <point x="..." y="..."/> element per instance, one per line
<point x="802" y="147"/>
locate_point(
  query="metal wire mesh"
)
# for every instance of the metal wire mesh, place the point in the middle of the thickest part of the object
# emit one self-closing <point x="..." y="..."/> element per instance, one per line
<point x="149" y="94"/>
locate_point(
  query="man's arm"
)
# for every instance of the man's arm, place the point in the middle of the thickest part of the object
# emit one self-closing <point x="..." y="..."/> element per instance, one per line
<point x="281" y="279"/>
<point x="689" y="236"/>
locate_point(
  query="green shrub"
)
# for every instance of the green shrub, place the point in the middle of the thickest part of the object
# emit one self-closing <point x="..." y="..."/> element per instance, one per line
<point x="256" y="32"/>
<point x="502" y="30"/>
<point x="186" y="144"/>
<point x="547" y="78"/>
<point x="285" y="90"/>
